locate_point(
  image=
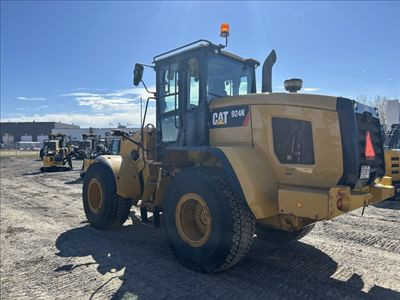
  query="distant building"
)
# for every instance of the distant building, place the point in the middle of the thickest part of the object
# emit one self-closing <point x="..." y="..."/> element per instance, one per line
<point x="13" y="132"/>
<point x="75" y="134"/>
<point x="392" y="113"/>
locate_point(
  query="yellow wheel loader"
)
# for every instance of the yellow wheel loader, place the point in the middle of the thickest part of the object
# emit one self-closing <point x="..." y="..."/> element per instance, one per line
<point x="57" y="153"/>
<point x="88" y="142"/>
<point x="224" y="162"/>
<point x="109" y="145"/>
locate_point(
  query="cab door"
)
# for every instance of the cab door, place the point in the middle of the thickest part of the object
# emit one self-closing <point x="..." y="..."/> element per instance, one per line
<point x="168" y="102"/>
<point x="193" y="109"/>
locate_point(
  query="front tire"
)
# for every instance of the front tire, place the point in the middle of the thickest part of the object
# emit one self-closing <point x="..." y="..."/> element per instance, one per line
<point x="104" y="209"/>
<point x="209" y="228"/>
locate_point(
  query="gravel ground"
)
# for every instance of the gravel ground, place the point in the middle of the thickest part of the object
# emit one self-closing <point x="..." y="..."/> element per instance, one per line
<point x="49" y="251"/>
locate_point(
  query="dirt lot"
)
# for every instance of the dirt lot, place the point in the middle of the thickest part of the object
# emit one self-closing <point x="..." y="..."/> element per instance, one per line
<point x="49" y="251"/>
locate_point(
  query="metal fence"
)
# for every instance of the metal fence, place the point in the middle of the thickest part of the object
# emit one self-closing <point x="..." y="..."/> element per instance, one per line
<point x="15" y="150"/>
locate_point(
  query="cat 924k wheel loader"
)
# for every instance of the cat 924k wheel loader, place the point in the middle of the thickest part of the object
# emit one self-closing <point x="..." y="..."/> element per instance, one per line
<point x="224" y="162"/>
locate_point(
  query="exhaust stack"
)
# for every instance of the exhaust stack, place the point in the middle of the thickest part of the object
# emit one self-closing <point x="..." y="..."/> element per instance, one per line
<point x="267" y="72"/>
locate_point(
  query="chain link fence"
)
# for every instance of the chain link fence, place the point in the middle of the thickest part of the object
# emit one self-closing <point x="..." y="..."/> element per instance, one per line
<point x="20" y="149"/>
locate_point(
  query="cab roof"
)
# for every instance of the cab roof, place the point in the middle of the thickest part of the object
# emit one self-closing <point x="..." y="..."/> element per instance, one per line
<point x="201" y="44"/>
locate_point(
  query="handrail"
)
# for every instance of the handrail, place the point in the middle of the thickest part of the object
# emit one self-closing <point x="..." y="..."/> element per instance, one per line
<point x="179" y="48"/>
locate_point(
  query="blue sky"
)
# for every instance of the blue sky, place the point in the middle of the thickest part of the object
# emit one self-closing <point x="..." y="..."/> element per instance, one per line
<point x="73" y="61"/>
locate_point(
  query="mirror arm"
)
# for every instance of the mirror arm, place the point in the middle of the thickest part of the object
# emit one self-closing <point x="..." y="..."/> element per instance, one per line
<point x="149" y="66"/>
<point x="145" y="87"/>
<point x="124" y="135"/>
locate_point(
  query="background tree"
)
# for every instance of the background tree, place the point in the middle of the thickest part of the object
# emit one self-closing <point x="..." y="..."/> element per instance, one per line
<point x="380" y="102"/>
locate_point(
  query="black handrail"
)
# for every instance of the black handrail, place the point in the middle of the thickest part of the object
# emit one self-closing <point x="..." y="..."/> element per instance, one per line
<point x="184" y="46"/>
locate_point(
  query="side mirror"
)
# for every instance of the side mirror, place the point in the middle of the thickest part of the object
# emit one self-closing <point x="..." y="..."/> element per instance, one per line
<point x="137" y="74"/>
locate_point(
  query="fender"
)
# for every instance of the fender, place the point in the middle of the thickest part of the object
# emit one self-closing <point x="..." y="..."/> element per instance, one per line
<point x="127" y="179"/>
<point x="249" y="175"/>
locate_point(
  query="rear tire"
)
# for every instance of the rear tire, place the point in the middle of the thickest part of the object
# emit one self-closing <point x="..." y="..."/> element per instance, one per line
<point x="280" y="236"/>
<point x="104" y="209"/>
<point x="227" y="224"/>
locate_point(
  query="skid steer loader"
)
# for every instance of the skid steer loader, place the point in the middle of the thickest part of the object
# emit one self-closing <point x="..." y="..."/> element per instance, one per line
<point x="225" y="162"/>
<point x="57" y="153"/>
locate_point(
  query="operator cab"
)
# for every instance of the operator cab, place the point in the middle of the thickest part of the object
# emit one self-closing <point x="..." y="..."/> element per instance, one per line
<point x="58" y="139"/>
<point x="82" y="145"/>
<point x="51" y="147"/>
<point x="187" y="80"/>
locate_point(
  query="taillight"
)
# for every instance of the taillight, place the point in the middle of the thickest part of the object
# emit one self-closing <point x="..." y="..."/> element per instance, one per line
<point x="343" y="201"/>
<point x="339" y="200"/>
<point x="369" y="149"/>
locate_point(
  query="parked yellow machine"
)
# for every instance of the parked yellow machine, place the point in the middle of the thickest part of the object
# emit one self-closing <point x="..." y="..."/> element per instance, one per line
<point x="84" y="147"/>
<point x="56" y="153"/>
<point x="392" y="156"/>
<point x="392" y="159"/>
<point x="109" y="145"/>
<point x="225" y="161"/>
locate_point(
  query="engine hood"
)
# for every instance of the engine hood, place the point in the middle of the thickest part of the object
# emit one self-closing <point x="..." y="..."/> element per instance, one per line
<point x="291" y="99"/>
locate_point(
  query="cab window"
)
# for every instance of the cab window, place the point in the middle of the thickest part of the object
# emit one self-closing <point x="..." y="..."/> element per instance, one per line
<point x="168" y="102"/>
<point x="115" y="147"/>
<point x="169" y="88"/>
<point x="227" y="77"/>
<point x="193" y="85"/>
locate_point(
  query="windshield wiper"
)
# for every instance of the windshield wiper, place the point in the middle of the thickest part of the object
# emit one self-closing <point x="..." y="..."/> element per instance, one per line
<point x="216" y="95"/>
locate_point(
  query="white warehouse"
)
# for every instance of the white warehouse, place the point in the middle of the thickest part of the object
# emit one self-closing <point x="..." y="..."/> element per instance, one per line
<point x="76" y="133"/>
<point x="392" y="113"/>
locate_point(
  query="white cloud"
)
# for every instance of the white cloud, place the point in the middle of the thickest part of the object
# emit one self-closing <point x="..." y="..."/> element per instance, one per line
<point x="31" y="98"/>
<point x="88" y="120"/>
<point x="118" y="106"/>
<point x="279" y="89"/>
<point x="311" y="89"/>
<point x="118" y="100"/>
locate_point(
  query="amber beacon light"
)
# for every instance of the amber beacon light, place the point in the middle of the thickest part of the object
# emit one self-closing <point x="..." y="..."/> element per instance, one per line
<point x="224" y="30"/>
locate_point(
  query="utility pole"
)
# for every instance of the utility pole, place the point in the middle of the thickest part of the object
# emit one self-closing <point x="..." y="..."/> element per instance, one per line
<point x="141" y="120"/>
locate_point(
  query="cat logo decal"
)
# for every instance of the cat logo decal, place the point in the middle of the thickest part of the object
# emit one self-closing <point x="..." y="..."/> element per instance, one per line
<point x="233" y="116"/>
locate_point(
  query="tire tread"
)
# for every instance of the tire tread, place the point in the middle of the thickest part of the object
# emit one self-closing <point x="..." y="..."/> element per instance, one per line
<point x="243" y="219"/>
<point x="119" y="208"/>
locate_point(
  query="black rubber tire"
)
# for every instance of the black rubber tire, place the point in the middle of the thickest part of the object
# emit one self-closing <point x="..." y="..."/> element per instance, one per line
<point x="233" y="224"/>
<point x="280" y="236"/>
<point x="114" y="210"/>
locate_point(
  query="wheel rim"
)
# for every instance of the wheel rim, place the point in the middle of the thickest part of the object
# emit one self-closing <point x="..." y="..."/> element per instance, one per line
<point x="193" y="220"/>
<point x="95" y="196"/>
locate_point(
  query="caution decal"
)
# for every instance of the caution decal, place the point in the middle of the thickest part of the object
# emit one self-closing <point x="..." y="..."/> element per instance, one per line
<point x="232" y="116"/>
